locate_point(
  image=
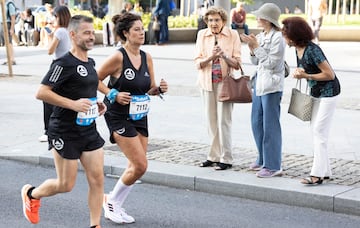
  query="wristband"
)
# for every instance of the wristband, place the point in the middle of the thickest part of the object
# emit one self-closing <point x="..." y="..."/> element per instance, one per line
<point x="111" y="96"/>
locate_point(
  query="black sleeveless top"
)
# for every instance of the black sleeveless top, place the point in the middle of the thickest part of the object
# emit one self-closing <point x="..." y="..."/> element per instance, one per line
<point x="136" y="82"/>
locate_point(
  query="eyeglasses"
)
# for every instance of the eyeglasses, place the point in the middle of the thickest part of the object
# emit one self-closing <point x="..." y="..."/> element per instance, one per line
<point x="214" y="20"/>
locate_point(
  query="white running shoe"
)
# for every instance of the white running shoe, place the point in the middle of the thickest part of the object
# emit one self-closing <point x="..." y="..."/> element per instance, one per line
<point x="43" y="138"/>
<point x="115" y="213"/>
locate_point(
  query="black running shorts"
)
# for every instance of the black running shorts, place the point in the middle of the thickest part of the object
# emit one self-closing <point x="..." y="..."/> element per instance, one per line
<point x="126" y="127"/>
<point x="74" y="147"/>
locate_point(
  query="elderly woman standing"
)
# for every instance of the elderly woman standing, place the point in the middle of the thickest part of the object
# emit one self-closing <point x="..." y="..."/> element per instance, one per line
<point x="325" y="88"/>
<point x="267" y="51"/>
<point x="217" y="53"/>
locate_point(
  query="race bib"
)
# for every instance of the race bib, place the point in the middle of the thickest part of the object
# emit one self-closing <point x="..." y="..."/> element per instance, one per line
<point x="87" y="118"/>
<point x="139" y="106"/>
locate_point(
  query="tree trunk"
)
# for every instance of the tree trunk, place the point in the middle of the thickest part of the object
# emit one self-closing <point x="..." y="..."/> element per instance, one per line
<point x="182" y="7"/>
<point x="337" y="11"/>
<point x="115" y="7"/>
<point x="330" y="7"/>
<point x="343" y="11"/>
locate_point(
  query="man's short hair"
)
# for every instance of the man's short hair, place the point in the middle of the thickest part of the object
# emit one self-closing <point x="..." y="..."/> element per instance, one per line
<point x="77" y="20"/>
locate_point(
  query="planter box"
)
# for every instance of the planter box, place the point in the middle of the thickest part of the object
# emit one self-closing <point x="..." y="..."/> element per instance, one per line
<point x="183" y="35"/>
<point x="340" y="34"/>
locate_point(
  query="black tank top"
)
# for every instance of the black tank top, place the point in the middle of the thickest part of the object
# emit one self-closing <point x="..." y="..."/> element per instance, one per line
<point x="136" y="82"/>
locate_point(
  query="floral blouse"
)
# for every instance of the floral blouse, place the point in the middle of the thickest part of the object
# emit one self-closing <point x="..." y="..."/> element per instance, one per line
<point x="312" y="57"/>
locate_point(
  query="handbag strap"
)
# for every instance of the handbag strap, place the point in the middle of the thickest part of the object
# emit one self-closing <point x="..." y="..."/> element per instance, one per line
<point x="298" y="82"/>
<point x="241" y="70"/>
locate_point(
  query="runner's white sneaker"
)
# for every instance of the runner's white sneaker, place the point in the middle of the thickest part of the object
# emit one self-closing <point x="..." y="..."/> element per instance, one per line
<point x="43" y="138"/>
<point x="115" y="213"/>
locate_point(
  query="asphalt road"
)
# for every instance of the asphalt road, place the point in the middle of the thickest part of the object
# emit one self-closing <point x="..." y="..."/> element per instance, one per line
<point x="154" y="206"/>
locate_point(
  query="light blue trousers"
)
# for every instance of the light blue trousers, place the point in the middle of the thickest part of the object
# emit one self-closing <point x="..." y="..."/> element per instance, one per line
<point x="265" y="123"/>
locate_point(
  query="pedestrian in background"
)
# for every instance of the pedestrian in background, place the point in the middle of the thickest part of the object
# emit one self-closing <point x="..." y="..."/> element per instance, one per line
<point x="316" y="11"/>
<point x="238" y="18"/>
<point x="217" y="53"/>
<point x="29" y="25"/>
<point x="201" y="14"/>
<point x="313" y="66"/>
<point x="132" y="80"/>
<point x="10" y="11"/>
<point x="162" y="12"/>
<point x="24" y="27"/>
<point x="267" y="51"/>
<point x="46" y="21"/>
<point x="128" y="7"/>
<point x="71" y="86"/>
<point x="60" y="44"/>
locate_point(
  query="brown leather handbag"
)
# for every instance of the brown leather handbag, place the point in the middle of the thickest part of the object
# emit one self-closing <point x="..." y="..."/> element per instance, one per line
<point x="236" y="90"/>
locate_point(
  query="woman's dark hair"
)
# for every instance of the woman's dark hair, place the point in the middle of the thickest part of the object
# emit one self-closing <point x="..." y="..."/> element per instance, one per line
<point x="123" y="22"/>
<point x="63" y="15"/>
<point x="297" y="30"/>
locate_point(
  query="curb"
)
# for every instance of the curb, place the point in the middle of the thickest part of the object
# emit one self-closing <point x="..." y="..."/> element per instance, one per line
<point x="327" y="197"/>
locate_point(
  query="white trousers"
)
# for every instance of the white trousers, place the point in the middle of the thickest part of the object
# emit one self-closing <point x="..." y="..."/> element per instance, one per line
<point x="218" y="118"/>
<point x="322" y="114"/>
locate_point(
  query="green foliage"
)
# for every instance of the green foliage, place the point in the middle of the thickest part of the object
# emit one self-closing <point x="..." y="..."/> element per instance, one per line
<point x="191" y="21"/>
<point x="249" y="2"/>
<point x="182" y="22"/>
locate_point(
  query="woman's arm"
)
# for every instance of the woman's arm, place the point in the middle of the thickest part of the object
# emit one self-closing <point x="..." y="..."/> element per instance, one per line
<point x="154" y="89"/>
<point x="326" y="73"/>
<point x="112" y="66"/>
<point x="53" y="45"/>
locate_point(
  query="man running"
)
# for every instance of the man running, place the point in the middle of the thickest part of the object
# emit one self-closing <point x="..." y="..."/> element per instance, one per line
<point x="71" y="86"/>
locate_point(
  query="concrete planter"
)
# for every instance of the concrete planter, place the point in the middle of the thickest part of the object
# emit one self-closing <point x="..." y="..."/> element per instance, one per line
<point x="340" y="34"/>
<point x="183" y="35"/>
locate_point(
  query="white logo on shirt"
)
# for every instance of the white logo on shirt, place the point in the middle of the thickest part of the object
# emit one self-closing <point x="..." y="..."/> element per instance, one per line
<point x="146" y="74"/>
<point x="82" y="70"/>
<point x="129" y="74"/>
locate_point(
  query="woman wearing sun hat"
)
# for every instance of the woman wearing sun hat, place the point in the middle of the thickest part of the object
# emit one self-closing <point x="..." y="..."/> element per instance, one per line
<point x="267" y="51"/>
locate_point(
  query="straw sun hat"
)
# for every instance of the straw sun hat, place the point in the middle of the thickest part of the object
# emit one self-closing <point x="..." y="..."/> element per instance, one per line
<point x="269" y="12"/>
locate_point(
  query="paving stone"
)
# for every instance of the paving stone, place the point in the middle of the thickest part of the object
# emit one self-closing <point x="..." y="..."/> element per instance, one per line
<point x="345" y="172"/>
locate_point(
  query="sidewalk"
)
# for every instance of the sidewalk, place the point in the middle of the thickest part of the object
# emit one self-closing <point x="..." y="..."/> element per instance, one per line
<point x="178" y="138"/>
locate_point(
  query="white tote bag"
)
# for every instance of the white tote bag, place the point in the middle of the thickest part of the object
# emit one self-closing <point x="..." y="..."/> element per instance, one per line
<point x="301" y="103"/>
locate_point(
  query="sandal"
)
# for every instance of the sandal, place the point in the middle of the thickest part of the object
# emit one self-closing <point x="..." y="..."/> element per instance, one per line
<point x="223" y="166"/>
<point x="207" y="163"/>
<point x="13" y="63"/>
<point x="310" y="180"/>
